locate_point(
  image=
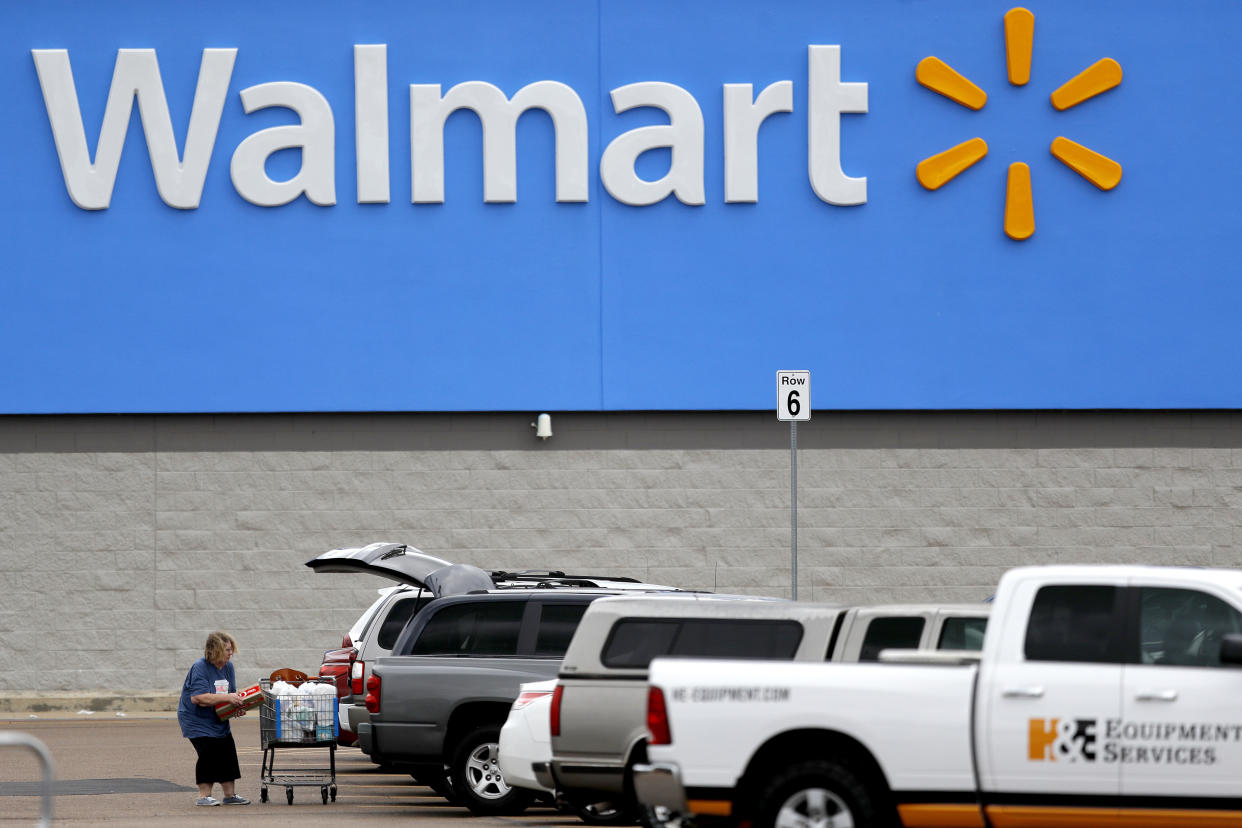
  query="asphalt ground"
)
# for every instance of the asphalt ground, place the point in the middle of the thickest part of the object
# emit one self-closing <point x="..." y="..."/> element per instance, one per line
<point x="138" y="770"/>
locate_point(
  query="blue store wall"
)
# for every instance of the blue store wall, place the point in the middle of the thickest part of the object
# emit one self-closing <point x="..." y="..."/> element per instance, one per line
<point x="916" y="299"/>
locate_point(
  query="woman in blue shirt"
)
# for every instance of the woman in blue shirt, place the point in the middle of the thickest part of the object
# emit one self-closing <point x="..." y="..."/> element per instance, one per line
<point x="210" y="735"/>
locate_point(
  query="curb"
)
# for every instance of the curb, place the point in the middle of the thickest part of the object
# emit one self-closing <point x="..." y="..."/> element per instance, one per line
<point x="99" y="702"/>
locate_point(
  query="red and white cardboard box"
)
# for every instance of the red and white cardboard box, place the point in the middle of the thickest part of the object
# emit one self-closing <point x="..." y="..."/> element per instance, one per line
<point x="250" y="697"/>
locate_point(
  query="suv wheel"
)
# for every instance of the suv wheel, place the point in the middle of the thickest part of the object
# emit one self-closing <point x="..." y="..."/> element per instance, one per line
<point x="475" y="774"/>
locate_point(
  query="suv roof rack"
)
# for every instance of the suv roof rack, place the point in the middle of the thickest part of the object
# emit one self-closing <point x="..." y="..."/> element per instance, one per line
<point x="552" y="577"/>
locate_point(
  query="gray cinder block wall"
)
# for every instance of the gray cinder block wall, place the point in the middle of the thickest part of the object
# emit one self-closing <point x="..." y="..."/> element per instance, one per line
<point x="125" y="539"/>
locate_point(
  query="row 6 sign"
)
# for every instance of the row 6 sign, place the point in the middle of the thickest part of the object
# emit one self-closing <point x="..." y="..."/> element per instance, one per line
<point x="793" y="396"/>
<point x="180" y="177"/>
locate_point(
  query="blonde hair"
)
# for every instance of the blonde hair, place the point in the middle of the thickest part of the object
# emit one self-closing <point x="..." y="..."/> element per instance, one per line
<point x="213" y="650"/>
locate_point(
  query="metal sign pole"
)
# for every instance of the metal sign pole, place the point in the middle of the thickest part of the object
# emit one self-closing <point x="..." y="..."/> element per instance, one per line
<point x="793" y="403"/>
<point x="793" y="499"/>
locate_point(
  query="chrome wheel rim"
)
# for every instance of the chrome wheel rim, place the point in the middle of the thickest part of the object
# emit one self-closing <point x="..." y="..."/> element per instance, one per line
<point x="814" y="808"/>
<point x="483" y="772"/>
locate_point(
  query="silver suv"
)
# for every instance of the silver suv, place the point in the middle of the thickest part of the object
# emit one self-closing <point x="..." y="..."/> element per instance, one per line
<point x="599" y="706"/>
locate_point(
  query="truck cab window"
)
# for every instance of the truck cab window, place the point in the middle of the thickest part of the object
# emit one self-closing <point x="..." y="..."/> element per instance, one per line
<point x="962" y="634"/>
<point x="1183" y="627"/>
<point x="891" y="633"/>
<point x="1074" y="623"/>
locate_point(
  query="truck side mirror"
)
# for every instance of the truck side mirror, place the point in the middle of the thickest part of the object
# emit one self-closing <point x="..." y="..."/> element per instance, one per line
<point x="1231" y="648"/>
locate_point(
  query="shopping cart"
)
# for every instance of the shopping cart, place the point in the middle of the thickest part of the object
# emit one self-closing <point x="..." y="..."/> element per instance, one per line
<point x="298" y="721"/>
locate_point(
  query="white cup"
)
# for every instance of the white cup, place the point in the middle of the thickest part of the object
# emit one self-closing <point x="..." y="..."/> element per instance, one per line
<point x="222" y="685"/>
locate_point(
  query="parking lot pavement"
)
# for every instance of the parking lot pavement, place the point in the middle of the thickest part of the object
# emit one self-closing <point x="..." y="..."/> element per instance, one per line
<point x="140" y="771"/>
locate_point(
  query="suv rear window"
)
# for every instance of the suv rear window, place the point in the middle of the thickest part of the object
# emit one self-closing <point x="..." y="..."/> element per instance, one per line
<point x="633" y="642"/>
<point x="394" y="623"/>
<point x="478" y="629"/>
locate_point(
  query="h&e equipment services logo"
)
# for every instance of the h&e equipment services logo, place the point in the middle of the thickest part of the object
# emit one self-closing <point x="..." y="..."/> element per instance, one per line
<point x="1127" y="742"/>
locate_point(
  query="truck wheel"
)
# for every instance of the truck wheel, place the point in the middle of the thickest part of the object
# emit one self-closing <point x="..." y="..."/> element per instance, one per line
<point x="475" y="775"/>
<point x="816" y="792"/>
<point x="652" y="816"/>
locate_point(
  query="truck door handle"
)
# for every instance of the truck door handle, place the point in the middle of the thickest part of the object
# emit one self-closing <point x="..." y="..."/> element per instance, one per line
<point x="1035" y="692"/>
<point x="1156" y="695"/>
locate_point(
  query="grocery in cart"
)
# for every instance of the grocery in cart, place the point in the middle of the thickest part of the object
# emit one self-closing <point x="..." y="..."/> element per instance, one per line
<point x="298" y="717"/>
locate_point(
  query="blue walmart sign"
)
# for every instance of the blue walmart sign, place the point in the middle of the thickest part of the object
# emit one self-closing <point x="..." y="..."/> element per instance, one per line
<point x="575" y="206"/>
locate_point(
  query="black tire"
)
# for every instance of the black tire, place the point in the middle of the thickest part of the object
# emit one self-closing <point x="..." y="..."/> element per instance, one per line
<point x="444" y="787"/>
<point x="436" y="779"/>
<point x="323" y="792"/>
<point x="605" y="813"/>
<point x="650" y="817"/>
<point x="476" y="780"/>
<point x="817" y="791"/>
<point x="263" y="794"/>
<point x="333" y="793"/>
<point x="289" y="795"/>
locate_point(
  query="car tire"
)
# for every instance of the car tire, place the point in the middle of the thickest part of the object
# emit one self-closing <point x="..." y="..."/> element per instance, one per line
<point x="650" y="816"/>
<point x="475" y="775"/>
<point x="437" y="779"/>
<point x="817" y="792"/>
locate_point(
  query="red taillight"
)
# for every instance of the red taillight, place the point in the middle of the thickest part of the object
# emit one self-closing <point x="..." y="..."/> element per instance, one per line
<point x="336" y="666"/>
<point x="527" y="696"/>
<point x="554" y="714"/>
<point x="357" y="677"/>
<point x="658" y="731"/>
<point x="373" y="694"/>
<point x="338" y="673"/>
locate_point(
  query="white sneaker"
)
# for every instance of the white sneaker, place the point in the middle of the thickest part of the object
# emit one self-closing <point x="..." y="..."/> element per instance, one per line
<point x="206" y="800"/>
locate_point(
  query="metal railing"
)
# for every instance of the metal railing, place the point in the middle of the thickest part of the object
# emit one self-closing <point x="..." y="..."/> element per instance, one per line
<point x="10" y="738"/>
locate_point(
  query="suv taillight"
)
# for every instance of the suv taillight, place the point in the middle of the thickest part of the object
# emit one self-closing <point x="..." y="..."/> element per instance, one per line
<point x="373" y="694"/>
<point x="336" y="666"/>
<point x="336" y="673"/>
<point x="527" y="696"/>
<point x="658" y="731"/>
<point x="554" y="714"/>
<point x="356" y="678"/>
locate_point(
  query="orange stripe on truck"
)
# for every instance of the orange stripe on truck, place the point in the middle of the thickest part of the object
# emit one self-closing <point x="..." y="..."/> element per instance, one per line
<point x="711" y="807"/>
<point x="1024" y="816"/>
<point x="940" y="816"/>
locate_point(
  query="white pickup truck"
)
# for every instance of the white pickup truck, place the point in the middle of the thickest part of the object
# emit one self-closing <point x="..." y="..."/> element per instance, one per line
<point x="1103" y="696"/>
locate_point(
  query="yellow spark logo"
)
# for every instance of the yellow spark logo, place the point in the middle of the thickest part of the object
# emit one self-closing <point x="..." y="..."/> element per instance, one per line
<point x="938" y="170"/>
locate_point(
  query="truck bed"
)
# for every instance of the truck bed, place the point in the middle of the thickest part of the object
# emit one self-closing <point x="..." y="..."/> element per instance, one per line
<point x="918" y="715"/>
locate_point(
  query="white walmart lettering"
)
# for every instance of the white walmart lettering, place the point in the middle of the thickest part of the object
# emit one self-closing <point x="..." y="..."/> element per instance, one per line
<point x="180" y="177"/>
